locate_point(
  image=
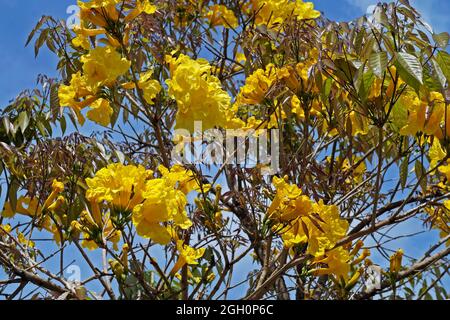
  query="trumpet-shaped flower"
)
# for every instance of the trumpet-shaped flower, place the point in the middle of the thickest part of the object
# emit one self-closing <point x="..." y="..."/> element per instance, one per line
<point x="188" y="255"/>
<point x="117" y="184"/>
<point x="198" y="93"/>
<point x="273" y="13"/>
<point x="300" y="220"/>
<point x="150" y="87"/>
<point x="100" y="112"/>
<point x="257" y="85"/>
<point x="102" y="66"/>
<point x="220" y="15"/>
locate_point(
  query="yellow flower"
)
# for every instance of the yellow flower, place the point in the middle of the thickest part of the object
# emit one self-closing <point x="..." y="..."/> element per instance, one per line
<point x="102" y="66"/>
<point x="5" y="230"/>
<point x="57" y="204"/>
<point x="25" y="206"/>
<point x="220" y="15"/>
<point x="78" y="89"/>
<point x="81" y="41"/>
<point x="57" y="188"/>
<point x="396" y="261"/>
<point x="141" y="6"/>
<point x="71" y="95"/>
<point x="336" y="262"/>
<point x="120" y="185"/>
<point x="188" y="255"/>
<point x="163" y="203"/>
<point x="362" y="257"/>
<point x="198" y="93"/>
<point x="100" y="112"/>
<point x="300" y="220"/>
<point x="257" y="85"/>
<point x="160" y="203"/>
<point x="426" y="115"/>
<point x="437" y="154"/>
<point x="297" y="108"/>
<point x="24" y="241"/>
<point x="149" y="87"/>
<point x="441" y="220"/>
<point x="274" y="12"/>
<point x="99" y="11"/>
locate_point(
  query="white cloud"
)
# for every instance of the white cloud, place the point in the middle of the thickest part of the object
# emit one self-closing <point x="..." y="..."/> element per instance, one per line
<point x="361" y="4"/>
<point x="433" y="12"/>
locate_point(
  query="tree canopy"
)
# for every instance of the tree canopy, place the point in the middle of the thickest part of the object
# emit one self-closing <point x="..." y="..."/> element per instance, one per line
<point x="352" y="118"/>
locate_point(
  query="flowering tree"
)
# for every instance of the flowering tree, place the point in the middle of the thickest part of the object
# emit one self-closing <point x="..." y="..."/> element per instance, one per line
<point x="97" y="167"/>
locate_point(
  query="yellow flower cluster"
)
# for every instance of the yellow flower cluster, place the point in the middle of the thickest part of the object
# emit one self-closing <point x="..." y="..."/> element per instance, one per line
<point x="106" y="14"/>
<point x="220" y="15"/>
<point x="264" y="83"/>
<point x="153" y="202"/>
<point x="48" y="216"/>
<point x="187" y="255"/>
<point x="101" y="67"/>
<point x="427" y="115"/>
<point x="150" y="87"/>
<point x="353" y="171"/>
<point x="257" y="85"/>
<point x="198" y="93"/>
<point x="97" y="229"/>
<point x="100" y="12"/>
<point x="299" y="220"/>
<point x="442" y="222"/>
<point x="119" y="185"/>
<point x="395" y="261"/>
<point x="273" y="13"/>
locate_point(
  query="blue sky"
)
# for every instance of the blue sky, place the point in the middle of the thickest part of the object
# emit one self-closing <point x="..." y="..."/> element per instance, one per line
<point x="20" y="68"/>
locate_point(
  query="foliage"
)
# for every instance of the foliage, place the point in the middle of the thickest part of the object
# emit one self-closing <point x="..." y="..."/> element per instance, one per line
<point x="362" y="111"/>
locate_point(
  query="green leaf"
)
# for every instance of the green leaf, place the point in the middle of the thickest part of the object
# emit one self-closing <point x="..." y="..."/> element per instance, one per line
<point x="23" y="121"/>
<point x="439" y="74"/>
<point x="364" y="83"/>
<point x="443" y="60"/>
<point x="431" y="79"/>
<point x="421" y="174"/>
<point x="63" y="124"/>
<point x="378" y="63"/>
<point x="410" y="69"/>
<point x="404" y="172"/>
<point x="380" y="16"/>
<point x="36" y="28"/>
<point x="40" y="41"/>
<point x="6" y="124"/>
<point x="54" y="101"/>
<point x="326" y="89"/>
<point x="441" y="39"/>
<point x="344" y="70"/>
<point x="12" y="193"/>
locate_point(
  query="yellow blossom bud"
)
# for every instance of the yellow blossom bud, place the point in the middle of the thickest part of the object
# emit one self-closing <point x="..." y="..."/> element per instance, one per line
<point x="396" y="261"/>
